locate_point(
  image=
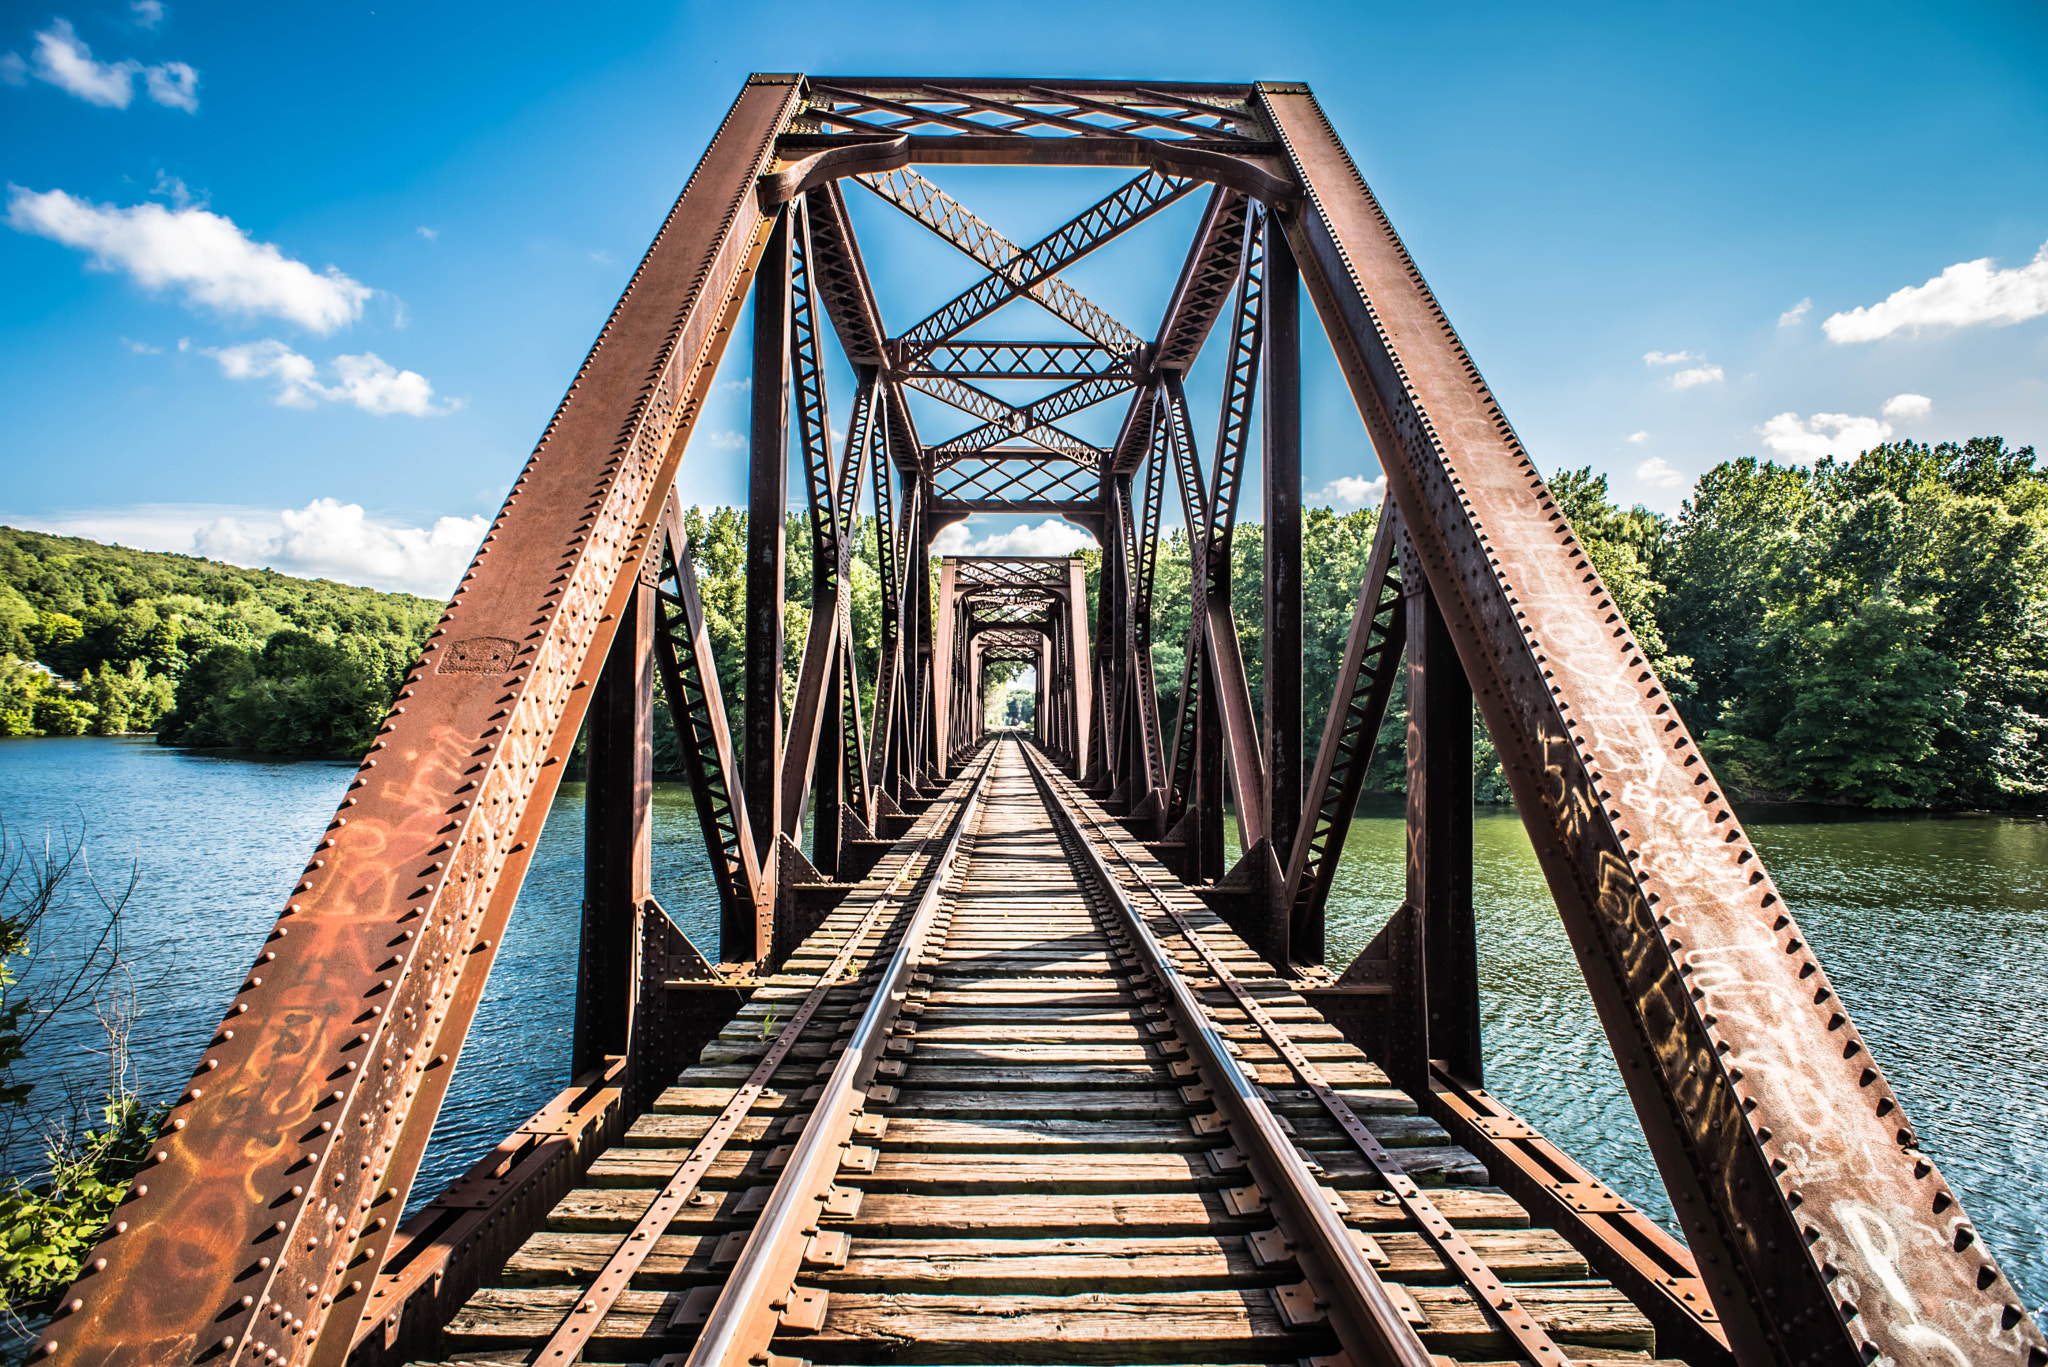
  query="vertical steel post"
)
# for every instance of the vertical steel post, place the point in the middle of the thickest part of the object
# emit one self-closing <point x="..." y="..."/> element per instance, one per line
<point x="767" y="493"/>
<point x="1083" y="662"/>
<point x="1280" y="646"/>
<point x="1440" y="831"/>
<point x="829" y="779"/>
<point x="617" y="838"/>
<point x="946" y="659"/>
<point x="1208" y="798"/>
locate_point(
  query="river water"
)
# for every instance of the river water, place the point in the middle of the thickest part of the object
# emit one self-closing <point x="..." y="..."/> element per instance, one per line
<point x="1934" y="930"/>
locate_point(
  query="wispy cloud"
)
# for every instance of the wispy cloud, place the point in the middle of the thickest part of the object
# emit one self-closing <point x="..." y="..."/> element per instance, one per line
<point x="173" y="84"/>
<point x="1908" y="406"/>
<point x="428" y="233"/>
<point x="327" y="538"/>
<point x="1795" y="315"/>
<point x="62" y="59"/>
<point x="141" y="348"/>
<point x="1659" y="475"/>
<point x="204" y="255"/>
<point x="1964" y="295"/>
<point x="1350" y="491"/>
<point x="148" y="13"/>
<point x="723" y="441"/>
<point x="1639" y="437"/>
<point x="1698" y="375"/>
<point x="1050" y="537"/>
<point x="367" y="381"/>
<point x="1805" y="440"/>
<point x="1670" y="357"/>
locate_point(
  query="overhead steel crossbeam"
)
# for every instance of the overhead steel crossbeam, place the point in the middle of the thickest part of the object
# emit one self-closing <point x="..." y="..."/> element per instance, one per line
<point x="1011" y="360"/>
<point x="1020" y="275"/>
<point x="1220" y="113"/>
<point x="1014" y="272"/>
<point x="1819" y="1230"/>
<point x="983" y="571"/>
<point x="999" y="484"/>
<point x="1033" y="423"/>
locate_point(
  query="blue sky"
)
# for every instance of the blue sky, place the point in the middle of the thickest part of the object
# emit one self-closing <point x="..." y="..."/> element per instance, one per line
<point x="300" y="285"/>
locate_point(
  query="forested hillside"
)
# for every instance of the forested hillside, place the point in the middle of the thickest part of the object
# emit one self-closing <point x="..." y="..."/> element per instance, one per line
<point x="102" y="639"/>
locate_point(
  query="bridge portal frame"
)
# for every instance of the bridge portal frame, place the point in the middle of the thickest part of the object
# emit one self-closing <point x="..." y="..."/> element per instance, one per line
<point x="1822" y="1233"/>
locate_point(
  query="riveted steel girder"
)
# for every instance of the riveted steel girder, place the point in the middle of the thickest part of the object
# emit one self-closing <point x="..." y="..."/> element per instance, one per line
<point x="1822" y="1232"/>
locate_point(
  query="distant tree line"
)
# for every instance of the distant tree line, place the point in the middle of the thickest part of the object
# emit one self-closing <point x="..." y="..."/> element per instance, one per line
<point x="1870" y="632"/>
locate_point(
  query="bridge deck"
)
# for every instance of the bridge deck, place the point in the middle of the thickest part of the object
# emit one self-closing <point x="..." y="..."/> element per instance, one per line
<point x="1041" y="1187"/>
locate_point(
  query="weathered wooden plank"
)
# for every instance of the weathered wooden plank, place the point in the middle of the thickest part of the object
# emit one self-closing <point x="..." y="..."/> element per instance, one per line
<point x="1102" y="1327"/>
<point x="1039" y="1266"/>
<point x="908" y="1215"/>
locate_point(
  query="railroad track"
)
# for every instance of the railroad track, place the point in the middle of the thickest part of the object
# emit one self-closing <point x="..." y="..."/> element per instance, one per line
<point x="1023" y="1098"/>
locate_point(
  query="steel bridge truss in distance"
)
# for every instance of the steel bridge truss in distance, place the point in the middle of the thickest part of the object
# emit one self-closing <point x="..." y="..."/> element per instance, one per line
<point x="267" y="1225"/>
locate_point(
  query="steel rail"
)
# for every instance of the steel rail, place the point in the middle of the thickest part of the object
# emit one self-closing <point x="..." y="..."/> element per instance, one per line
<point x="1366" y="1319"/>
<point x="568" y="1341"/>
<point x="743" y="1320"/>
<point x="1536" y="1345"/>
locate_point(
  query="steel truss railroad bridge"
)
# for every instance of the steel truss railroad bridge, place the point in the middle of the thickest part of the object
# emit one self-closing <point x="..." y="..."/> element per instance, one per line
<point x="1016" y="1063"/>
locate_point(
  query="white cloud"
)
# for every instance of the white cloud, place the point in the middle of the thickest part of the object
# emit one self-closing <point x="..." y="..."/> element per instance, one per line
<point x="1050" y="537"/>
<point x="1657" y="474"/>
<point x="201" y="253"/>
<point x="327" y="538"/>
<point x="1698" y="375"/>
<point x="148" y="13"/>
<point x="428" y="233"/>
<point x="335" y="540"/>
<point x="376" y="386"/>
<point x="1639" y="437"/>
<point x="1965" y="294"/>
<point x="725" y="441"/>
<point x="1670" y="357"/>
<point x="141" y="348"/>
<point x="1353" y="491"/>
<point x="271" y="359"/>
<point x="1908" y="406"/>
<point x="368" y="381"/>
<point x="1824" y="434"/>
<point x="174" y="85"/>
<point x="1795" y="315"/>
<point x="63" y="60"/>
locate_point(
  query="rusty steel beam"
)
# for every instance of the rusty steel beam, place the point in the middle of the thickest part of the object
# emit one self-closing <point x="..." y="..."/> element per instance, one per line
<point x="618" y="838"/>
<point x="767" y="499"/>
<point x="1822" y="1231"/>
<point x="689" y="675"/>
<point x="279" y="1180"/>
<point x="1439" y="830"/>
<point x="1358" y="704"/>
<point x="927" y="204"/>
<point x="1280" y="639"/>
<point x="977" y="360"/>
<point x="1199" y="294"/>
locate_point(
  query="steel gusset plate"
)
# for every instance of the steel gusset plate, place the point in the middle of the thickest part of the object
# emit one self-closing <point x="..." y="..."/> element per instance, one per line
<point x="1822" y="1231"/>
<point x="275" y="1190"/>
